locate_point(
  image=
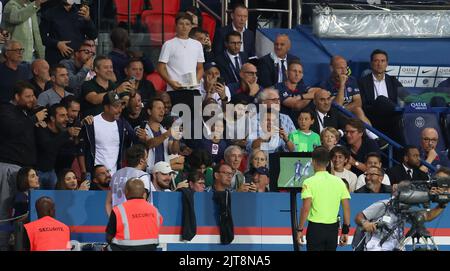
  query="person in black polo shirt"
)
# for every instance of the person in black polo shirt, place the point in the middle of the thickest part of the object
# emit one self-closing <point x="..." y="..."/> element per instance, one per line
<point x="358" y="144"/>
<point x="374" y="177"/>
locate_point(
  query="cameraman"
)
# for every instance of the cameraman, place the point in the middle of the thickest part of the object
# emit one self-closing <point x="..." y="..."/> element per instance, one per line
<point x="377" y="219"/>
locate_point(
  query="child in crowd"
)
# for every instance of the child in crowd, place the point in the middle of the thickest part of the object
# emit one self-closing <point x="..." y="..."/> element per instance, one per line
<point x="304" y="139"/>
<point x="339" y="157"/>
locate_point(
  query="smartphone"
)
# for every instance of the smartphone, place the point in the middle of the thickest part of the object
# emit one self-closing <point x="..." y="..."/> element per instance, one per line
<point x="132" y="79"/>
<point x="142" y="125"/>
<point x="221" y="80"/>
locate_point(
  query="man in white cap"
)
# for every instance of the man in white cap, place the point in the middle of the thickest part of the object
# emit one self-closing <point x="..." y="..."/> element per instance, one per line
<point x="162" y="177"/>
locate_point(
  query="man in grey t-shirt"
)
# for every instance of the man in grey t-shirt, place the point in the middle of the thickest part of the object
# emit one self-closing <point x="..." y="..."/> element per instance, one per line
<point x="137" y="162"/>
<point x="60" y="79"/>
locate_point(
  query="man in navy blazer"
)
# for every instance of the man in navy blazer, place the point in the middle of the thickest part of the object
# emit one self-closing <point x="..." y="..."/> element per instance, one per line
<point x="379" y="95"/>
<point x="239" y="18"/>
<point x="270" y="66"/>
<point x="230" y="61"/>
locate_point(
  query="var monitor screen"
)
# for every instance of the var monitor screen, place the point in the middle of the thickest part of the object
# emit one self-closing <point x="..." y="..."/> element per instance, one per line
<point x="294" y="169"/>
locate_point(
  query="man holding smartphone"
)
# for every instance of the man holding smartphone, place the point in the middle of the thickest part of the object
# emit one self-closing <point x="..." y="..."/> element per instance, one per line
<point x="213" y="86"/>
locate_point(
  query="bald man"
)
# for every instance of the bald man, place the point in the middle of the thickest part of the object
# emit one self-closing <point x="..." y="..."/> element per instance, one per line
<point x="273" y="66"/>
<point x="46" y="233"/>
<point x="134" y="225"/>
<point x="324" y="114"/>
<point x="345" y="91"/>
<point x="428" y="142"/>
<point x="41" y="76"/>
<point x="248" y="87"/>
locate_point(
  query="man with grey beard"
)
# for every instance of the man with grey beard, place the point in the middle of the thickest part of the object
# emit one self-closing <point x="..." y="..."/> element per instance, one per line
<point x="49" y="141"/>
<point x="374" y="179"/>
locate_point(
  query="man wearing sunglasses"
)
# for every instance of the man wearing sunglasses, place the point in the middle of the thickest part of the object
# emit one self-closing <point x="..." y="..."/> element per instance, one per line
<point x="79" y="66"/>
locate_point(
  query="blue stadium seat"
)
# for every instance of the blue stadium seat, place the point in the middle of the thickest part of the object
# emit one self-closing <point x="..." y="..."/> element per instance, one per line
<point x="414" y="121"/>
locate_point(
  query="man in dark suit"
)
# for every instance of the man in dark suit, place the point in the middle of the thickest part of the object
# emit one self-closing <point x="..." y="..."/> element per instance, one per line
<point x="409" y="168"/>
<point x="272" y="67"/>
<point x="324" y="114"/>
<point x="239" y="18"/>
<point x="379" y="95"/>
<point x="231" y="60"/>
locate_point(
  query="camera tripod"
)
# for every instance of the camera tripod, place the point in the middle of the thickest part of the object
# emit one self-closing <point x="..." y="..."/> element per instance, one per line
<point x="418" y="233"/>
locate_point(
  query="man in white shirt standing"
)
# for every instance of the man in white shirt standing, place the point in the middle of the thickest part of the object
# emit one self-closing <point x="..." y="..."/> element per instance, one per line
<point x="181" y="58"/>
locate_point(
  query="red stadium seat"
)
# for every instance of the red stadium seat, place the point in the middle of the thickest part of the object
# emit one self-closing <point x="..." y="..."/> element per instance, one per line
<point x="158" y="82"/>
<point x="122" y="10"/>
<point x="153" y="21"/>
<point x="209" y="24"/>
<point x="170" y="6"/>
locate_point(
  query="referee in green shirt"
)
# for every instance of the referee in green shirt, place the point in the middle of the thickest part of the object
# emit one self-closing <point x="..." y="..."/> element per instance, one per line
<point x="322" y="194"/>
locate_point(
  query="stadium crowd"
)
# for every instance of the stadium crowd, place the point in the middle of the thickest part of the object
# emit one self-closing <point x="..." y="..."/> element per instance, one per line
<point x="75" y="120"/>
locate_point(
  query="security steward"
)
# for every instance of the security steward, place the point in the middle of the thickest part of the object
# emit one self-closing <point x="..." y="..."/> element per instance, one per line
<point x="134" y="225"/>
<point x="46" y="233"/>
<point x="322" y="194"/>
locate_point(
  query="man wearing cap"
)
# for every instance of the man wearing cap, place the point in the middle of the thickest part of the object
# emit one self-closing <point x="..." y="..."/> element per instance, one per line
<point x="261" y="179"/>
<point x="136" y="157"/>
<point x="162" y="177"/>
<point x="211" y="87"/>
<point x="105" y="140"/>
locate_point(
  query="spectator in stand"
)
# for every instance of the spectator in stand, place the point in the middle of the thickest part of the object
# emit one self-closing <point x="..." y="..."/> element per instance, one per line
<point x="101" y="180"/>
<point x="283" y="125"/>
<point x="21" y="21"/>
<point x="79" y="67"/>
<point x="339" y="158"/>
<point x="232" y="59"/>
<point x="41" y="80"/>
<point x="200" y="161"/>
<point x="93" y="91"/>
<point x="294" y="94"/>
<point x="134" y="113"/>
<point x="210" y="87"/>
<point x="409" y="168"/>
<point x="159" y="141"/>
<point x="379" y="95"/>
<point x="56" y="235"/>
<point x="135" y="224"/>
<point x="27" y="180"/>
<point x="12" y="70"/>
<point x="68" y="181"/>
<point x="233" y="157"/>
<point x="72" y="149"/>
<point x="358" y="144"/>
<point x="303" y="139"/>
<point x="203" y="37"/>
<point x="64" y="28"/>
<point x="374" y="177"/>
<point x="17" y="145"/>
<point x="214" y="141"/>
<point x="345" y="91"/>
<point x="105" y="140"/>
<point x="324" y="114"/>
<point x="247" y="88"/>
<point x="50" y="140"/>
<point x="373" y="159"/>
<point x="223" y="174"/>
<point x="137" y="157"/>
<point x="428" y="143"/>
<point x="196" y="181"/>
<point x="261" y="179"/>
<point x="60" y="84"/>
<point x="273" y="66"/>
<point x="134" y="72"/>
<point x="329" y="137"/>
<point x="181" y="56"/>
<point x="169" y="117"/>
<point x="239" y="17"/>
<point x="162" y="177"/>
<point x="121" y="54"/>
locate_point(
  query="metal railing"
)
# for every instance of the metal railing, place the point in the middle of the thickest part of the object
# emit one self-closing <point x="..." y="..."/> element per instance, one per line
<point x="199" y="3"/>
<point x="392" y="143"/>
<point x="225" y="11"/>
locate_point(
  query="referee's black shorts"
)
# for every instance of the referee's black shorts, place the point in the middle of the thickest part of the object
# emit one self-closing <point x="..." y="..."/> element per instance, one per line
<point x="322" y="237"/>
